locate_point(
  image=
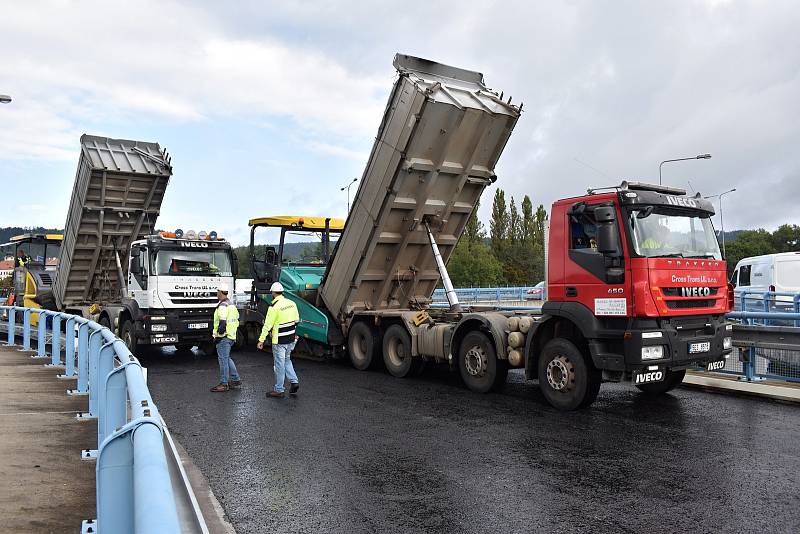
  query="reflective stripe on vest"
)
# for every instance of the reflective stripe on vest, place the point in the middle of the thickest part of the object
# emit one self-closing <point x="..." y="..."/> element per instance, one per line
<point x="286" y="332"/>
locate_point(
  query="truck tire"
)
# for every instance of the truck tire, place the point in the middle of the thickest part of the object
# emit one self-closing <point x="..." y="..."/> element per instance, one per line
<point x="128" y="336"/>
<point x="670" y="381"/>
<point x="361" y="345"/>
<point x="567" y="380"/>
<point x="397" y="352"/>
<point x="478" y="364"/>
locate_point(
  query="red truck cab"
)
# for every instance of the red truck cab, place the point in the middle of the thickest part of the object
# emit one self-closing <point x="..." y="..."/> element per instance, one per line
<point x="637" y="291"/>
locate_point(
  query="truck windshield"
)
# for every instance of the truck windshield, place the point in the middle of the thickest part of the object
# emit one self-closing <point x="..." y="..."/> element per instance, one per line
<point x="193" y="263"/>
<point x="661" y="232"/>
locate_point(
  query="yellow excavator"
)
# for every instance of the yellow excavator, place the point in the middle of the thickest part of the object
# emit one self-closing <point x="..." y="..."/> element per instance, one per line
<point x="35" y="263"/>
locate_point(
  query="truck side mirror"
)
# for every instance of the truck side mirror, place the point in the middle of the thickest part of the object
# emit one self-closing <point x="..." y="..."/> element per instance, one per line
<point x="136" y="263"/>
<point x="607" y="236"/>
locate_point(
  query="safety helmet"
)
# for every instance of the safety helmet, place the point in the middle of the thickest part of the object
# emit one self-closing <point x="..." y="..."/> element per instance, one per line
<point x="276" y="288"/>
<point x="224" y="287"/>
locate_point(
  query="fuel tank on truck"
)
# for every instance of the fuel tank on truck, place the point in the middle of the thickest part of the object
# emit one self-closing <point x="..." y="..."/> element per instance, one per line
<point x="437" y="146"/>
<point x="116" y="199"/>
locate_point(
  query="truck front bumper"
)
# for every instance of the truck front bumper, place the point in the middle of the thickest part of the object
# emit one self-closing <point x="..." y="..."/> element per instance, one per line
<point x="685" y="342"/>
<point x="178" y="326"/>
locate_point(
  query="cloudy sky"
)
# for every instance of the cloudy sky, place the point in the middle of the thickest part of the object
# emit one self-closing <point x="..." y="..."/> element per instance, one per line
<point x="271" y="107"/>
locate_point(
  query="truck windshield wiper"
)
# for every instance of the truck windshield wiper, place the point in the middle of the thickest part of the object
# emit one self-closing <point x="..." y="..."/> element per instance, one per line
<point x="674" y="255"/>
<point x="702" y="256"/>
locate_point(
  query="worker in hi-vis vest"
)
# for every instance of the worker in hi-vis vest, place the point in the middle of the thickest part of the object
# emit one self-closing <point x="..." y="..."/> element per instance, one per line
<point x="280" y="324"/>
<point x="226" y="323"/>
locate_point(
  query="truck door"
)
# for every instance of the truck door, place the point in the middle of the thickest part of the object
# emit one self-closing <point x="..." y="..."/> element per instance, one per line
<point x="594" y="270"/>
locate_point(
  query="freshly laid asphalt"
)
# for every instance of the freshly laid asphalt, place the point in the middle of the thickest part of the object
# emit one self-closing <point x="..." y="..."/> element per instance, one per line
<point x="363" y="452"/>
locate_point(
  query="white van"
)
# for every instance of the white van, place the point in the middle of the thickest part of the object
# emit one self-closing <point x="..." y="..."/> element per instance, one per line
<point x="771" y="272"/>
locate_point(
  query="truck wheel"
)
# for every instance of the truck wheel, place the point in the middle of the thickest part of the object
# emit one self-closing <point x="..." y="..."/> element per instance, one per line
<point x="361" y="345"/>
<point x="128" y="336"/>
<point x="480" y="369"/>
<point x="670" y="381"/>
<point x="566" y="379"/>
<point x="397" y="352"/>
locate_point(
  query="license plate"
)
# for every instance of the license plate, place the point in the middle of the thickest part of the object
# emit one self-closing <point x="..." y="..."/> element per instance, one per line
<point x="163" y="340"/>
<point x="647" y="377"/>
<point x="715" y="366"/>
<point x="197" y="326"/>
<point x="696" y="348"/>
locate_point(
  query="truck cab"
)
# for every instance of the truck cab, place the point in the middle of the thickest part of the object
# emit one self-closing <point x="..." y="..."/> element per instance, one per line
<point x="35" y="263"/>
<point x="300" y="272"/>
<point x="636" y="287"/>
<point x="173" y="279"/>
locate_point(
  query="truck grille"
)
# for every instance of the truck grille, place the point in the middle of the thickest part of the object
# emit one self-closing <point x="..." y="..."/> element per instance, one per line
<point x="695" y="303"/>
<point x="192" y="298"/>
<point x="677" y="291"/>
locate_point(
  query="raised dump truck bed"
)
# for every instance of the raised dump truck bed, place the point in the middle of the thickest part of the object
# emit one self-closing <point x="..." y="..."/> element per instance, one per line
<point x="441" y="135"/>
<point x="116" y="199"/>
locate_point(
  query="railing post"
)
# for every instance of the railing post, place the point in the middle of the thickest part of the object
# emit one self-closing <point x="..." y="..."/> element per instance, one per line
<point x="55" y="348"/>
<point x="41" y="342"/>
<point x="69" y="348"/>
<point x="12" y="325"/>
<point x="83" y="361"/>
<point x="114" y="410"/>
<point x="26" y="330"/>
<point x="105" y="365"/>
<point x="114" y="486"/>
<point x="95" y="343"/>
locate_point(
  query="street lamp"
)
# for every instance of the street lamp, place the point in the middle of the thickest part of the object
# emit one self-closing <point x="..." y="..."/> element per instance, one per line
<point x="348" y="193"/>
<point x="699" y="156"/>
<point x="5" y="99"/>
<point x="721" y="220"/>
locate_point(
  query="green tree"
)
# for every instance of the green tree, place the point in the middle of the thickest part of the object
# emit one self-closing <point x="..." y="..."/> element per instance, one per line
<point x="539" y="226"/>
<point x="528" y="222"/>
<point x="6" y="282"/>
<point x="786" y="238"/>
<point x="474" y="232"/>
<point x="514" y="224"/>
<point x="474" y="265"/>
<point x="498" y="226"/>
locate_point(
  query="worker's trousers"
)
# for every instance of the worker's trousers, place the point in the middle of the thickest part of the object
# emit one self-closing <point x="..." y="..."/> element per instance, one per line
<point x="282" y="365"/>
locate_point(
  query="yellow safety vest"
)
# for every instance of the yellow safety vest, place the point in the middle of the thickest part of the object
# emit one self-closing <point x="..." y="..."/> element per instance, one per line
<point x="282" y="318"/>
<point x="227" y="312"/>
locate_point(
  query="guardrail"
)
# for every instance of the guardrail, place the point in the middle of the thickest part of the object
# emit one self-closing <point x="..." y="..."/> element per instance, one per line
<point x="468" y="295"/>
<point x="767" y="341"/>
<point x="133" y="488"/>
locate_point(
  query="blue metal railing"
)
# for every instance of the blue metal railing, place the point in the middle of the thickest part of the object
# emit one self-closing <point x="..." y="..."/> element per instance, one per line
<point x="133" y="488"/>
<point x="769" y="313"/>
<point x="467" y="295"/>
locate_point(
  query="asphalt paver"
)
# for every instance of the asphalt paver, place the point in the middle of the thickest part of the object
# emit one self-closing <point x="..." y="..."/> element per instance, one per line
<point x="363" y="452"/>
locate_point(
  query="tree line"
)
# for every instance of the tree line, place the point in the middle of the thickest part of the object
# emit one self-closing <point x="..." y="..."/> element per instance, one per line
<point x="511" y="254"/>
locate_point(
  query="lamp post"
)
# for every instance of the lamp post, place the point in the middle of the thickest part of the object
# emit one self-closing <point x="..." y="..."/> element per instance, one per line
<point x="5" y="99"/>
<point x="348" y="193"/>
<point x="721" y="220"/>
<point x="699" y="156"/>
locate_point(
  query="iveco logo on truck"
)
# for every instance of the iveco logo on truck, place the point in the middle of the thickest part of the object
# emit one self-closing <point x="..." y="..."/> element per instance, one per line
<point x="191" y="244"/>
<point x="695" y="291"/>
<point x="681" y="201"/>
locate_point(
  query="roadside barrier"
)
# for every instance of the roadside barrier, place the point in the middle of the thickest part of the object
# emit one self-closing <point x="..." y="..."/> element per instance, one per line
<point x="767" y="336"/>
<point x="133" y="488"/>
<point x="486" y="294"/>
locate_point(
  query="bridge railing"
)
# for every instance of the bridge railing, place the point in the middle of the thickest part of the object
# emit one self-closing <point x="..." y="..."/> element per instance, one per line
<point x="767" y="336"/>
<point x="133" y="487"/>
<point x="468" y="295"/>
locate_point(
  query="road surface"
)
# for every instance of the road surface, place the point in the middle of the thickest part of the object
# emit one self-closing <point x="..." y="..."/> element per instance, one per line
<point x="364" y="452"/>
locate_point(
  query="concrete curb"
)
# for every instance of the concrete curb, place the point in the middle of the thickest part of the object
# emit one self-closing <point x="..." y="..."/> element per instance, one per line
<point x="766" y="389"/>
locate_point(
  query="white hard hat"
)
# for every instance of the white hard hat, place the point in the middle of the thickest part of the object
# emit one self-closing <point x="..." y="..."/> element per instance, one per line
<point x="276" y="288"/>
<point x="224" y="287"/>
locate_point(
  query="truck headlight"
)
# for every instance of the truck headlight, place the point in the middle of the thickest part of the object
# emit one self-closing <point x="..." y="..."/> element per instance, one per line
<point x="655" y="352"/>
<point x="158" y="328"/>
<point x="726" y="343"/>
<point x="651" y="335"/>
<point x="729" y="327"/>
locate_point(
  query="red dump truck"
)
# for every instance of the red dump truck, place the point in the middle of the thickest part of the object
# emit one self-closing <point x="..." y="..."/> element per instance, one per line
<point x="636" y="282"/>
